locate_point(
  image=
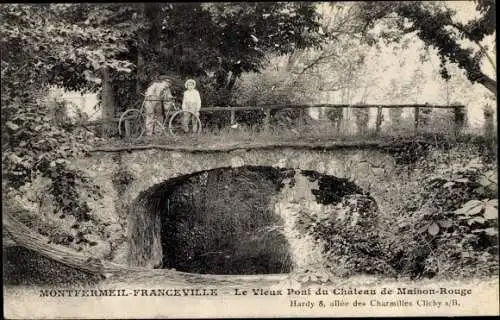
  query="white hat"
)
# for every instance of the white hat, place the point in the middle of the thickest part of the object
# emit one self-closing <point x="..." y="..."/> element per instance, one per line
<point x="190" y="81"/>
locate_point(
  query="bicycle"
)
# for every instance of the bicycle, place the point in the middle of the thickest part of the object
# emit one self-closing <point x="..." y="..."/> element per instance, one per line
<point x="132" y="121"/>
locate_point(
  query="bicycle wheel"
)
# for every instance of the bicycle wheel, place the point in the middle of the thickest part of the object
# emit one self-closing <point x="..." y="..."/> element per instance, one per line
<point x="184" y="122"/>
<point x="131" y="124"/>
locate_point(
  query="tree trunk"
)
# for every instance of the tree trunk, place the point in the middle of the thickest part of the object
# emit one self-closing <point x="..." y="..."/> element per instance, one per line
<point x="25" y="237"/>
<point x="148" y="39"/>
<point x="292" y="60"/>
<point x="108" y="102"/>
<point x="489" y="83"/>
<point x="141" y="45"/>
<point x="220" y="78"/>
<point x="232" y="81"/>
<point x="153" y="15"/>
<point x="139" y="84"/>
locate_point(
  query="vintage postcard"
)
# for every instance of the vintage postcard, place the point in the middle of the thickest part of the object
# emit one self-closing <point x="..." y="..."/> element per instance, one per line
<point x="249" y="159"/>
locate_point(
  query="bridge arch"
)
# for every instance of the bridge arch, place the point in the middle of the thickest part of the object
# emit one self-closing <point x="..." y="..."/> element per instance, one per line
<point x="364" y="167"/>
<point x="153" y="170"/>
<point x="144" y="169"/>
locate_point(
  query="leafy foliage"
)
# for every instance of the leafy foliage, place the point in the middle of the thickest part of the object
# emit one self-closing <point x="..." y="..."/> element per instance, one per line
<point x="43" y="45"/>
<point x="407" y="151"/>
<point x="213" y="43"/>
<point x="48" y="44"/>
<point x="452" y="226"/>
<point x="480" y="213"/>
<point x="435" y="25"/>
<point x="447" y="227"/>
<point x="36" y="143"/>
<point x="351" y="239"/>
<point x="70" y="45"/>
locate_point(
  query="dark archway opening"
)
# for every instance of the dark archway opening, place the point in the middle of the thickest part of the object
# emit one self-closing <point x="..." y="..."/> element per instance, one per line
<point x="222" y="221"/>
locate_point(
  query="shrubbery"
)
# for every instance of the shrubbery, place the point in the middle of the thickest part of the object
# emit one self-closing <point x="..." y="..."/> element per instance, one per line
<point x="351" y="239"/>
<point x="38" y="144"/>
<point x="454" y="230"/>
<point x="447" y="228"/>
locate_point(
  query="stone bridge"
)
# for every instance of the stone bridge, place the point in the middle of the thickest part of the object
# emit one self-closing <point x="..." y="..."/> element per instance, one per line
<point x="128" y="177"/>
<point x="367" y="167"/>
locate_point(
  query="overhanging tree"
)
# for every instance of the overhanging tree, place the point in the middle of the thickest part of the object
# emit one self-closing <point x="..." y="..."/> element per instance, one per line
<point x="436" y="25"/>
<point x="43" y="45"/>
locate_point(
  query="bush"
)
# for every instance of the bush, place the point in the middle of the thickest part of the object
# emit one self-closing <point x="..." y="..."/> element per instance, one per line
<point x="451" y="229"/>
<point x="39" y="145"/>
<point x="445" y="227"/>
<point x="350" y="237"/>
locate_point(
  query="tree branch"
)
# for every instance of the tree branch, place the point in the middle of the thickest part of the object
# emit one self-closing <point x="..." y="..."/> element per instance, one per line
<point x="490" y="59"/>
<point x="25" y="237"/>
<point x="489" y="83"/>
<point x="461" y="29"/>
<point x="315" y="62"/>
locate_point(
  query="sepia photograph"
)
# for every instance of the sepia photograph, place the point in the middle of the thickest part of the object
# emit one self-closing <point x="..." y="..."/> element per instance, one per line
<point x="249" y="159"/>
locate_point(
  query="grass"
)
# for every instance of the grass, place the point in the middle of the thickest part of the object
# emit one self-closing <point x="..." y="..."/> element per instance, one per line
<point x="314" y="132"/>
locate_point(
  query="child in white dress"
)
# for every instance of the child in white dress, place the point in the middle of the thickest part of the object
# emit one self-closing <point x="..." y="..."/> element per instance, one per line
<point x="191" y="102"/>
